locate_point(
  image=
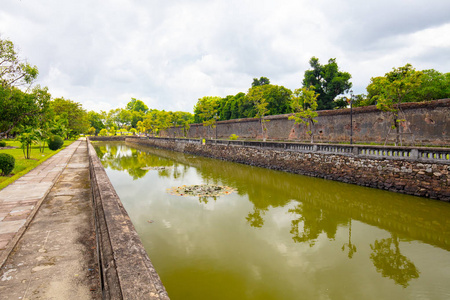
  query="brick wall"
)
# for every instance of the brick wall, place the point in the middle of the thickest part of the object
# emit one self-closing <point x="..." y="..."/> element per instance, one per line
<point x="429" y="123"/>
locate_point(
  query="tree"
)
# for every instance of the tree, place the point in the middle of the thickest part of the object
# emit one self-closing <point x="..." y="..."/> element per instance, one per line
<point x="103" y="132"/>
<point x="256" y="96"/>
<point x="327" y="81"/>
<point x="27" y="137"/>
<point x="137" y="105"/>
<point x="389" y="261"/>
<point x="140" y="127"/>
<point x="20" y="108"/>
<point x="77" y="117"/>
<point x="206" y="111"/>
<point x="96" y="121"/>
<point x="183" y="119"/>
<point x="395" y="88"/>
<point x="91" y="131"/>
<point x="13" y="71"/>
<point x="260" y="81"/>
<point x="433" y="85"/>
<point x="304" y="104"/>
<point x="278" y="99"/>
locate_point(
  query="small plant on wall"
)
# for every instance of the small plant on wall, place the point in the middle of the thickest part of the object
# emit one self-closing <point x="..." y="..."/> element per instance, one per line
<point x="304" y="105"/>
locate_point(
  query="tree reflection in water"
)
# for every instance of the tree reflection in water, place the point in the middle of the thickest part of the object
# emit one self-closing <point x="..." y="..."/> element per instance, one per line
<point x="349" y="245"/>
<point x="255" y="219"/>
<point x="388" y="261"/>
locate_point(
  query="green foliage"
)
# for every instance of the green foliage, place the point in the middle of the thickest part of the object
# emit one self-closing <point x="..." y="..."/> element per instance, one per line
<point x="397" y="85"/>
<point x="137" y="106"/>
<point x="260" y="81"/>
<point x="91" y="131"/>
<point x="22" y="109"/>
<point x="27" y="137"/>
<point x="327" y="81"/>
<point x="304" y="104"/>
<point x="55" y="142"/>
<point x="431" y="86"/>
<point x="96" y="120"/>
<point x="2" y="143"/>
<point x="243" y="106"/>
<point x="234" y="137"/>
<point x="73" y="112"/>
<point x="13" y="71"/>
<point x="7" y="163"/>
<point x="112" y="131"/>
<point x="140" y="127"/>
<point x="103" y="132"/>
<point x="206" y="110"/>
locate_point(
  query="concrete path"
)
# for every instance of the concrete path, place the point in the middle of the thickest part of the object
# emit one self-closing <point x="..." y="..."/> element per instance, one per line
<point x="47" y="231"/>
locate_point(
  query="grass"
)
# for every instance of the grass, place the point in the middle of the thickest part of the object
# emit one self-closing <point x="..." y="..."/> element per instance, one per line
<point x="23" y="166"/>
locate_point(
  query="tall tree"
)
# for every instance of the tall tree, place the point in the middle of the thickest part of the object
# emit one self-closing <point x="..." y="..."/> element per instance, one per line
<point x="13" y="71"/>
<point x="206" y="111"/>
<point x="96" y="121"/>
<point x="327" y="81"/>
<point x="20" y="108"/>
<point x="256" y="95"/>
<point x="76" y="116"/>
<point x="137" y="105"/>
<point x="260" y="81"/>
<point x="397" y="85"/>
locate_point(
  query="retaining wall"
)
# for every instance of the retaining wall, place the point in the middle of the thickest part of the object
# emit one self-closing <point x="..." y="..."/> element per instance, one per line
<point x="126" y="269"/>
<point x="416" y="171"/>
<point x="427" y="123"/>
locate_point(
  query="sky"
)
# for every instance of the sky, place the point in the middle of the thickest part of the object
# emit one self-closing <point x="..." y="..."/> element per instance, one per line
<point x="170" y="53"/>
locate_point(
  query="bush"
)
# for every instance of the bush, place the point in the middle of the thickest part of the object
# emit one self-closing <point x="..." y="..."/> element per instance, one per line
<point x="2" y="144"/>
<point x="55" y="142"/>
<point x="103" y="132"/>
<point x="233" y="137"/>
<point x="7" y="162"/>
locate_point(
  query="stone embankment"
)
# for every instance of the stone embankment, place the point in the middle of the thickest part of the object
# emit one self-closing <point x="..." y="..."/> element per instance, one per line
<point x="126" y="269"/>
<point x="422" y="172"/>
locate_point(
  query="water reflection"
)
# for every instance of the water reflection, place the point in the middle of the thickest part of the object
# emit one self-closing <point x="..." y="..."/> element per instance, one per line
<point x="350" y="246"/>
<point x="388" y="260"/>
<point x="316" y="209"/>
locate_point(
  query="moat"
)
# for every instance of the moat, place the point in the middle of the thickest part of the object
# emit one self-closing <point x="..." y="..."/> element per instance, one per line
<point x="277" y="235"/>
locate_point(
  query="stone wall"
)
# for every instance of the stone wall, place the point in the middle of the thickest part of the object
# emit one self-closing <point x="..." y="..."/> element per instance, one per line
<point x="415" y="176"/>
<point x="126" y="269"/>
<point x="428" y="123"/>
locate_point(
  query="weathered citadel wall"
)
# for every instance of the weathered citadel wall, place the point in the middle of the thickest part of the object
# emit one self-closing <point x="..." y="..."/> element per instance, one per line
<point x="429" y="123"/>
<point x="398" y="175"/>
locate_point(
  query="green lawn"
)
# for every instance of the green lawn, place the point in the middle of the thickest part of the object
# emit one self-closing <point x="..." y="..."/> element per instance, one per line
<point x="23" y="165"/>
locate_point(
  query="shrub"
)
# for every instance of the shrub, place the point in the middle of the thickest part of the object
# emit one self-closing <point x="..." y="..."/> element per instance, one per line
<point x="2" y="144"/>
<point x="103" y="132"/>
<point x="55" y="142"/>
<point x="233" y="137"/>
<point x="7" y="162"/>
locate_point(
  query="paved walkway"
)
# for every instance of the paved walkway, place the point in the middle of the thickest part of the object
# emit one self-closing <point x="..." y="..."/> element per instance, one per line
<point x="47" y="236"/>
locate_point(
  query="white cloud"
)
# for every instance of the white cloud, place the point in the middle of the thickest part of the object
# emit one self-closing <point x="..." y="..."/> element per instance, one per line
<point x="170" y="53"/>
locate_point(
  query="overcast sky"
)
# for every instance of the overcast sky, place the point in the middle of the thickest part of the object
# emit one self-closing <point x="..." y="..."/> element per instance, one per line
<point x="169" y="53"/>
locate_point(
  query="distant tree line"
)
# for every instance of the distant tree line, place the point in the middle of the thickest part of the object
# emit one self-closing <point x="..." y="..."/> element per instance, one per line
<point x="27" y="109"/>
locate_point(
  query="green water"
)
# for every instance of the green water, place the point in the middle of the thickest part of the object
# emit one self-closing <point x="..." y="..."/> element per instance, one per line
<point x="280" y="235"/>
